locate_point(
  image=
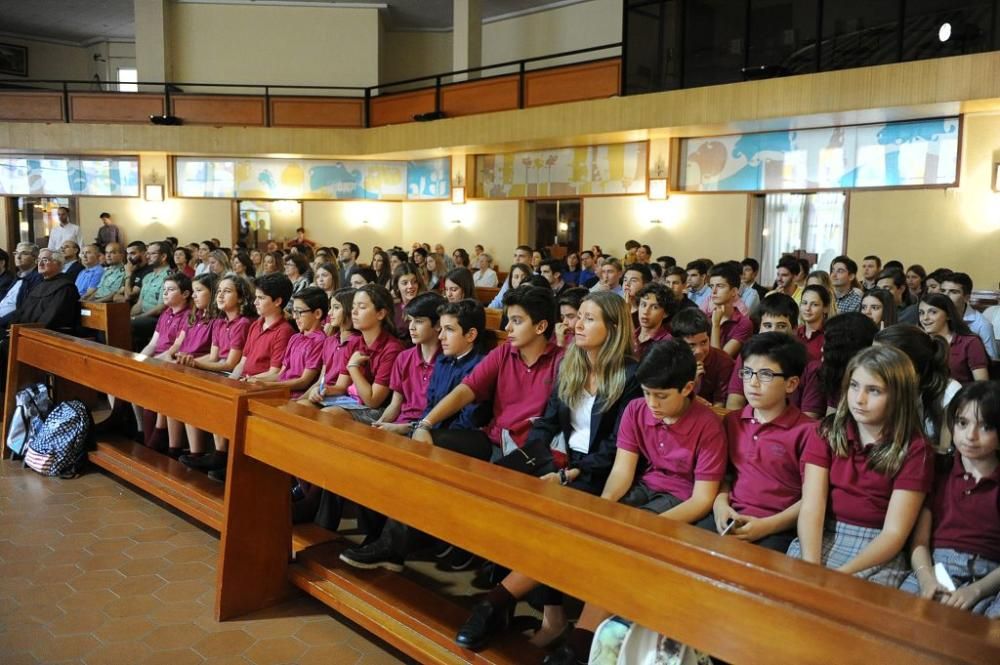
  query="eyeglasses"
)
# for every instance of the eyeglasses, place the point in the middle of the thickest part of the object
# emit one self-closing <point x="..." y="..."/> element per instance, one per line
<point x="763" y="375"/>
<point x="300" y="312"/>
<point x="44" y="259"/>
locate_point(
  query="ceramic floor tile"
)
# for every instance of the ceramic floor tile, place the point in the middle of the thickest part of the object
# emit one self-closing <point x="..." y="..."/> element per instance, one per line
<point x="96" y="573"/>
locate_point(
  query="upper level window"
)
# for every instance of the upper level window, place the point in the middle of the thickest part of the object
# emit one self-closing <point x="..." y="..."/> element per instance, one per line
<point x="128" y="78"/>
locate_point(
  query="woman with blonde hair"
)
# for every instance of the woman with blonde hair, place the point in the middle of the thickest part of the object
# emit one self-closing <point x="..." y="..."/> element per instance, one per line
<point x="596" y="381"/>
<point x="218" y="262"/>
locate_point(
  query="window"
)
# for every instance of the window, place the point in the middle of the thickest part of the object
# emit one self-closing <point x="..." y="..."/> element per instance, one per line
<point x="784" y="223"/>
<point x="128" y="78"/>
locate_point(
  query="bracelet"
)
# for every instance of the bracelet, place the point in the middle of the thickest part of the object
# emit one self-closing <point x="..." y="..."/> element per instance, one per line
<point x="350" y="365"/>
<point x="919" y="568"/>
<point x="420" y="424"/>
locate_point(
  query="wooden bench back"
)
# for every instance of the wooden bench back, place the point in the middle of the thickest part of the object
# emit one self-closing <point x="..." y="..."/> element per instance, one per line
<point x="486" y="294"/>
<point x="207" y="401"/>
<point x="493" y="317"/>
<point x="113" y="319"/>
<point x="736" y="601"/>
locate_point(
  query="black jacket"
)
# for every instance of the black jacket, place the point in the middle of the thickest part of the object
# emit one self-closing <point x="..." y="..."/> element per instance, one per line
<point x="54" y="303"/>
<point x="595" y="465"/>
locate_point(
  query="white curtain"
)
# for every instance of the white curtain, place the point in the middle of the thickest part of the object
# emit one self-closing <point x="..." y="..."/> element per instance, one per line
<point x="784" y="219"/>
<point x="813" y="222"/>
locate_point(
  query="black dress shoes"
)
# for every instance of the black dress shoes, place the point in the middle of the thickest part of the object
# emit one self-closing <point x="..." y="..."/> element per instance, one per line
<point x="487" y="619"/>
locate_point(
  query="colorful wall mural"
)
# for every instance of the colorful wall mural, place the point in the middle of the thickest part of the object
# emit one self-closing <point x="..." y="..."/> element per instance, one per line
<point x="65" y="176"/>
<point x="896" y="154"/>
<point x="313" y="179"/>
<point x="580" y="171"/>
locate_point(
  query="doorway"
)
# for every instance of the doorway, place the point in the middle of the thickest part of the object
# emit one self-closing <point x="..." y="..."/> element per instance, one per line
<point x="815" y="223"/>
<point x="258" y="222"/>
<point x="555" y="224"/>
<point x="29" y="218"/>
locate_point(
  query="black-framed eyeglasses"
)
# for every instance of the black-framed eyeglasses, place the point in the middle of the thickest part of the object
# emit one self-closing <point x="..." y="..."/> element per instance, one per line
<point x="763" y="375"/>
<point x="300" y="312"/>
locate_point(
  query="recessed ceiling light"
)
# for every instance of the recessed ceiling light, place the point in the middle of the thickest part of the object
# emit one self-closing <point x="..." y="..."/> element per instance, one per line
<point x="944" y="32"/>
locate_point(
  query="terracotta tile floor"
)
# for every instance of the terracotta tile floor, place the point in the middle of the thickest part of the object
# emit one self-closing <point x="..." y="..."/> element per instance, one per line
<point x="92" y="572"/>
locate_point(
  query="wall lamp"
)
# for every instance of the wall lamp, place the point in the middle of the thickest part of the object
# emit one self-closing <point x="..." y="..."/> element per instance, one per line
<point x="458" y="191"/>
<point x="153" y="192"/>
<point x="658" y="182"/>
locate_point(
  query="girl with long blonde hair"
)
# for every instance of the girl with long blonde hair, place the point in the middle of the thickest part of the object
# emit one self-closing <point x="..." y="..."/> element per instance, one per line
<point x="867" y="472"/>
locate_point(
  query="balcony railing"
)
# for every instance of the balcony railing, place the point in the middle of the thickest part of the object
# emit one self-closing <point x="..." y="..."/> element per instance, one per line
<point x="517" y="84"/>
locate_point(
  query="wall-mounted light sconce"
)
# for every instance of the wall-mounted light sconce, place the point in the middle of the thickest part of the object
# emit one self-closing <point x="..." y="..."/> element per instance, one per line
<point x="153" y="192"/>
<point x="658" y="182"/>
<point x="364" y="221"/>
<point x="656" y="221"/>
<point x="456" y="221"/>
<point x="458" y="191"/>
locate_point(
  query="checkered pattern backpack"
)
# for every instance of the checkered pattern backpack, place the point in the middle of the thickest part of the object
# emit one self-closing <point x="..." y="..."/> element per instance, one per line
<point x="60" y="447"/>
<point x="32" y="404"/>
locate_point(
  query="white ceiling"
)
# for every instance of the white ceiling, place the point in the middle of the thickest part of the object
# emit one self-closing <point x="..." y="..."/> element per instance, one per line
<point x="85" y="22"/>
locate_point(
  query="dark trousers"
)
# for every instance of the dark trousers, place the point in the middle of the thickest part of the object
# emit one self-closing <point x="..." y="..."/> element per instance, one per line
<point x="143" y="328"/>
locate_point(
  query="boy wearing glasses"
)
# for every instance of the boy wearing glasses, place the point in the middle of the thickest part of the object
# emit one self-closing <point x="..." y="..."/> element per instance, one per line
<point x="304" y="353"/>
<point x="759" y="500"/>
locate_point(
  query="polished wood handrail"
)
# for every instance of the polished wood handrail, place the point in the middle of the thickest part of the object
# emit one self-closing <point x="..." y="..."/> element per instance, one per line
<point x="736" y="601"/>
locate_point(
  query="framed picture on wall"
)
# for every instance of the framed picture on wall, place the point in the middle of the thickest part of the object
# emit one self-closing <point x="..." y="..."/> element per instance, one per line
<point x="13" y="60"/>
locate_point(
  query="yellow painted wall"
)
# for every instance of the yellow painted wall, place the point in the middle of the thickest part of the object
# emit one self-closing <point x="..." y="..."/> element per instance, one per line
<point x="190" y="220"/>
<point x="562" y="29"/>
<point x="957" y="228"/>
<point x="492" y="224"/>
<point x="274" y="44"/>
<point x="47" y="60"/>
<point x="334" y="222"/>
<point x="691" y="226"/>
<point x="407" y="55"/>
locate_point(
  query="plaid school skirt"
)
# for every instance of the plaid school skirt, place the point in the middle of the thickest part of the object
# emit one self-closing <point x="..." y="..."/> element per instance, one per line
<point x="964" y="569"/>
<point x="842" y="542"/>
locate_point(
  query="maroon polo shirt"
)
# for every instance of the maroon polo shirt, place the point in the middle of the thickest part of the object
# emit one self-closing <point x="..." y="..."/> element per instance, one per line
<point x="230" y="334"/>
<point x="859" y="495"/>
<point x="303" y="352"/>
<point x="411" y="375"/>
<point x="169" y="326"/>
<point x="713" y="385"/>
<point x="381" y="355"/>
<point x="966" y="354"/>
<point x="737" y="326"/>
<point x="766" y="458"/>
<point x="335" y="355"/>
<point x="814" y="344"/>
<point x="640" y="348"/>
<point x="519" y="392"/>
<point x="691" y="449"/>
<point x="966" y="513"/>
<point x="264" y="349"/>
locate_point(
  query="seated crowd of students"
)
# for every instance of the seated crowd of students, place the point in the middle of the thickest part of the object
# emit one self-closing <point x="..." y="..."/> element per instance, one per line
<point x="860" y="428"/>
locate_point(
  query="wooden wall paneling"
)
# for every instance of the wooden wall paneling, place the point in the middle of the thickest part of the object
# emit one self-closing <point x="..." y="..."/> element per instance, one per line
<point x="317" y="112"/>
<point x="494" y="94"/>
<point x="31" y="106"/>
<point x="396" y="109"/>
<point x="218" y="109"/>
<point x="593" y="80"/>
<point x="114" y="107"/>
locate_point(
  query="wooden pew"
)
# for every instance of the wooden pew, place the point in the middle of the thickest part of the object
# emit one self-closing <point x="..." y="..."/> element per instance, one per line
<point x="486" y="294"/>
<point x="208" y="401"/>
<point x="113" y="319"/>
<point x="736" y="601"/>
<point x="493" y="317"/>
